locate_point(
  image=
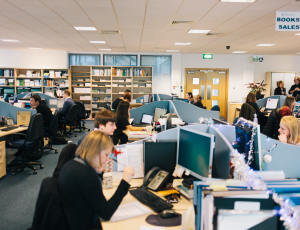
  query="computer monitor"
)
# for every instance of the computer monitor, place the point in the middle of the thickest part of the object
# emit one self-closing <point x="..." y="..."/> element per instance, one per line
<point x="217" y="121"/>
<point x="243" y="137"/>
<point x="195" y="152"/>
<point x="169" y="121"/>
<point x="272" y="103"/>
<point x="158" y="113"/>
<point x="162" y="154"/>
<point x="60" y="103"/>
<point x="147" y="119"/>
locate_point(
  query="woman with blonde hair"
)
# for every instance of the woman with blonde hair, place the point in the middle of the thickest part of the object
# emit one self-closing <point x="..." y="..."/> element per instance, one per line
<point x="80" y="184"/>
<point x="280" y="90"/>
<point x="290" y="102"/>
<point x="289" y="130"/>
<point x="197" y="101"/>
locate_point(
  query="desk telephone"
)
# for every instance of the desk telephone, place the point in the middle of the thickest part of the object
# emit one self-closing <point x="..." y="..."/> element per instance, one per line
<point x="8" y="121"/>
<point x="155" y="178"/>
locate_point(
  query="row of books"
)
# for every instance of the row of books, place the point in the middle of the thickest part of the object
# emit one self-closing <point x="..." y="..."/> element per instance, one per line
<point x="123" y="72"/>
<point x="56" y="83"/>
<point x="139" y="72"/>
<point x="7" y="72"/>
<point x="55" y="74"/>
<point x="32" y="73"/>
<point x="28" y="82"/>
<point x="101" y="72"/>
<point x="7" y="82"/>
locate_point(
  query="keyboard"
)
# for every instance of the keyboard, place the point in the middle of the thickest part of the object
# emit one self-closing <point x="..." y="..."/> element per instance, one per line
<point x="10" y="128"/>
<point x="141" y="125"/>
<point x="149" y="199"/>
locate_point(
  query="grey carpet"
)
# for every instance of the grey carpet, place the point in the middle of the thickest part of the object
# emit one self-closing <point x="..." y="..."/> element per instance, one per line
<point x="18" y="194"/>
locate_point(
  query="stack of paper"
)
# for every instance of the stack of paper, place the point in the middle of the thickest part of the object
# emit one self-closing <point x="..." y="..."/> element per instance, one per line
<point x="58" y="74"/>
<point x="2" y="81"/>
<point x="128" y="79"/>
<point x="115" y="85"/>
<point x="108" y="90"/>
<point x="51" y="73"/>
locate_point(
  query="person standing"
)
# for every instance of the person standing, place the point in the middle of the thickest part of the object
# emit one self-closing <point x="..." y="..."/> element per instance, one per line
<point x="280" y="90"/>
<point x="295" y="89"/>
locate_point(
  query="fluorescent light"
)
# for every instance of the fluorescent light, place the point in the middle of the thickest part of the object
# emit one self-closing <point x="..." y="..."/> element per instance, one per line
<point x="105" y="49"/>
<point x="239" y="52"/>
<point x="297" y="34"/>
<point x="172" y="51"/>
<point x="33" y="48"/>
<point x="238" y="0"/>
<point x="265" y="45"/>
<point x="9" y="40"/>
<point x="182" y="43"/>
<point x="85" y="28"/>
<point x="298" y="53"/>
<point x="198" y="31"/>
<point x="97" y="42"/>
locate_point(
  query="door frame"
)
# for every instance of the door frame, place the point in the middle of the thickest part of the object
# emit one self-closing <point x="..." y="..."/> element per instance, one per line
<point x="226" y="82"/>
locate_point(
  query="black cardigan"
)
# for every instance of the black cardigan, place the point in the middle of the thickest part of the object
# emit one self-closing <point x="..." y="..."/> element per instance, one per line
<point x="82" y="197"/>
<point x="199" y="104"/>
<point x="272" y="126"/>
<point x="258" y="112"/>
<point x="278" y="91"/>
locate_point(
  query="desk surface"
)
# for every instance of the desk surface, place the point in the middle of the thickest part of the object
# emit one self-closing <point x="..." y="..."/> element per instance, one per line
<point x="136" y="135"/>
<point x="17" y="130"/>
<point x="136" y="222"/>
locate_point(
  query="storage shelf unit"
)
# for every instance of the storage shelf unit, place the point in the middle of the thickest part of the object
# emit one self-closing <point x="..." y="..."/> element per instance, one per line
<point x="34" y="80"/>
<point x="104" y="84"/>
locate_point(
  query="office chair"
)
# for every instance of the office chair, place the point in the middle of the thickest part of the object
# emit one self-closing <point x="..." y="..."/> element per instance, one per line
<point x="81" y="116"/>
<point x="298" y="97"/>
<point x="215" y="108"/>
<point x="69" y="120"/>
<point x="50" y="132"/>
<point x="48" y="212"/>
<point x="32" y="142"/>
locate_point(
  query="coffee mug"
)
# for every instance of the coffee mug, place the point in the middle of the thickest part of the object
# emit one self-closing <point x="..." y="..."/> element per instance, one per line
<point x="107" y="182"/>
<point x="149" y="129"/>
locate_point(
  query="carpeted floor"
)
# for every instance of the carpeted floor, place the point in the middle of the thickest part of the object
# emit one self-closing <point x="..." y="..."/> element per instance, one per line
<point x="18" y="194"/>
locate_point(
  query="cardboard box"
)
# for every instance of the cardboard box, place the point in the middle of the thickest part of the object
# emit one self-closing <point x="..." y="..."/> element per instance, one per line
<point x="2" y="159"/>
<point x="23" y="118"/>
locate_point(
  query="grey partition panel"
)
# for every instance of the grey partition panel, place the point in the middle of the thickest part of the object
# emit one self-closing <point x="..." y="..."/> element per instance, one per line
<point x="200" y="127"/>
<point x="148" y="109"/>
<point x="263" y="102"/>
<point x="9" y="110"/>
<point x="228" y="131"/>
<point x="155" y="97"/>
<point x="21" y="95"/>
<point x="47" y="98"/>
<point x="164" y="97"/>
<point x="281" y="101"/>
<point x="285" y="157"/>
<point x="139" y="100"/>
<point x="191" y="114"/>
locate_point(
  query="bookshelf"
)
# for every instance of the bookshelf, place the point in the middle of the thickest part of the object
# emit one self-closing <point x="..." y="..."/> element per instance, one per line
<point x="96" y="86"/>
<point x="33" y="80"/>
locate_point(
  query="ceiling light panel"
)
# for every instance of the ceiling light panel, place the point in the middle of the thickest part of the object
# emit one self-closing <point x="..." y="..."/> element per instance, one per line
<point x="247" y="1"/>
<point x="182" y="43"/>
<point x="173" y="51"/>
<point x="98" y="42"/>
<point x="265" y="45"/>
<point x="9" y="40"/>
<point x="198" y="31"/>
<point x="85" y="28"/>
<point x="239" y="52"/>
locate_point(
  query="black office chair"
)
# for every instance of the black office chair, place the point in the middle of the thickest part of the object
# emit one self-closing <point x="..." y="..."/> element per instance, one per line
<point x="50" y="132"/>
<point x="31" y="143"/>
<point x="298" y="97"/>
<point x="69" y="120"/>
<point x="82" y="114"/>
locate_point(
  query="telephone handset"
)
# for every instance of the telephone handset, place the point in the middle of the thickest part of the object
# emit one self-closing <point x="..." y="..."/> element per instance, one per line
<point x="8" y="121"/>
<point x="155" y="178"/>
<point x="262" y="108"/>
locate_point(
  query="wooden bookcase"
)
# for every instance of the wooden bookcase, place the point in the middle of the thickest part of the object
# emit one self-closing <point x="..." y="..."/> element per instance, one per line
<point x="95" y="86"/>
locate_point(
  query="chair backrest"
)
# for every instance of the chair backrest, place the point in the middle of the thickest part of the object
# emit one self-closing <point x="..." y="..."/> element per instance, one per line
<point x="298" y="97"/>
<point x="48" y="212"/>
<point x="215" y="108"/>
<point x="72" y="114"/>
<point x="81" y="110"/>
<point x="35" y="129"/>
<point x="54" y="124"/>
<point x="247" y="112"/>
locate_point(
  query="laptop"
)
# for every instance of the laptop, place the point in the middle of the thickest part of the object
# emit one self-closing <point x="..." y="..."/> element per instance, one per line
<point x="147" y="120"/>
<point x="271" y="104"/>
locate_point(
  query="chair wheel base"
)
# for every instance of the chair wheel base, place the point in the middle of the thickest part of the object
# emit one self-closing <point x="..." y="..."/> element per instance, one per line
<point x="56" y="151"/>
<point x="34" y="172"/>
<point x="41" y="166"/>
<point x="75" y="135"/>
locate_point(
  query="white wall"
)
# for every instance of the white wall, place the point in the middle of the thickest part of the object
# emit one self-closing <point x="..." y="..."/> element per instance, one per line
<point x="39" y="59"/>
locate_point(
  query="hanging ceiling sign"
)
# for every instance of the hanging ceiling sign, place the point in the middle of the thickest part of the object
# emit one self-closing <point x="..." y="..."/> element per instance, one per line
<point x="287" y="21"/>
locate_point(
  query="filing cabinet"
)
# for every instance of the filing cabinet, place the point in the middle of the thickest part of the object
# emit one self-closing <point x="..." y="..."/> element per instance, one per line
<point x="2" y="159"/>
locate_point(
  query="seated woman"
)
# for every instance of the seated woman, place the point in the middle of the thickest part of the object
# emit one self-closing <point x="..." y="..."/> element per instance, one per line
<point x="197" y="101"/>
<point x="80" y="184"/>
<point x="280" y="90"/>
<point x="123" y="117"/>
<point x="272" y="126"/>
<point x="251" y="100"/>
<point x="289" y="130"/>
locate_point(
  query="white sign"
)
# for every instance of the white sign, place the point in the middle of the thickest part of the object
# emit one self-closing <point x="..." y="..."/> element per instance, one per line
<point x="287" y="21"/>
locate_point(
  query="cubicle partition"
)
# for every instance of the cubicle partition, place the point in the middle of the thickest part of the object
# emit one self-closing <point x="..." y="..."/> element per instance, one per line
<point x="51" y="102"/>
<point x="9" y="110"/>
<point x="164" y="97"/>
<point x="263" y="102"/>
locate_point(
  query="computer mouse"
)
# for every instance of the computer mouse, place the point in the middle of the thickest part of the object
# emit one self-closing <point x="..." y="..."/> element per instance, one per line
<point x="168" y="213"/>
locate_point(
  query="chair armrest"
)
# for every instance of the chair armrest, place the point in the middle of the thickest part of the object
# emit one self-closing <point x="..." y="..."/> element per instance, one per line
<point x="17" y="146"/>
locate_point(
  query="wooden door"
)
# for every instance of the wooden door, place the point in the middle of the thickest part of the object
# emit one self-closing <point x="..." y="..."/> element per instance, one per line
<point x="211" y="85"/>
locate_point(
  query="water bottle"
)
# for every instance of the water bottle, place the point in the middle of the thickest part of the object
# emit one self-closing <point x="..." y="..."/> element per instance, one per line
<point x="255" y="121"/>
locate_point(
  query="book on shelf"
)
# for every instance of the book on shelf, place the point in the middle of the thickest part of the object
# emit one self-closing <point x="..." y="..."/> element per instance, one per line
<point x="139" y="73"/>
<point x="2" y="82"/>
<point x="121" y="85"/>
<point x="121" y="92"/>
<point x="115" y="85"/>
<point x="51" y="73"/>
<point x="128" y="85"/>
<point x="121" y="81"/>
<point x="102" y="80"/>
<point x="58" y="74"/>
<point x="148" y="85"/>
<point x="128" y="79"/>
<point x="80" y="79"/>
<point x="46" y="75"/>
<point x="7" y="73"/>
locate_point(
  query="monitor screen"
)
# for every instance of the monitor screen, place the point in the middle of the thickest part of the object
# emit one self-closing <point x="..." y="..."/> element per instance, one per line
<point x="158" y="113"/>
<point x="272" y="103"/>
<point x="60" y="103"/>
<point x="147" y="119"/>
<point x="195" y="152"/>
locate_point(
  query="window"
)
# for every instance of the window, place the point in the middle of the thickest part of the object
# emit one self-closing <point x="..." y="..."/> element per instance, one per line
<point x="162" y="70"/>
<point x="84" y="59"/>
<point x="119" y="60"/>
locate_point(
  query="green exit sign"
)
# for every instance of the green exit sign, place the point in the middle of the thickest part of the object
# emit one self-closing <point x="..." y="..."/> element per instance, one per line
<point x="207" y="56"/>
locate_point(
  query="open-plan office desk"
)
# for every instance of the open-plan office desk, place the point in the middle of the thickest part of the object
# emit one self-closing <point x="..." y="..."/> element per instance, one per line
<point x="17" y="130"/>
<point x="136" y="222"/>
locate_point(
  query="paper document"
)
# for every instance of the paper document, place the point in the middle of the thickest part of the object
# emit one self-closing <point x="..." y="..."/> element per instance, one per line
<point x="52" y="102"/>
<point x="133" y="101"/>
<point x="142" y="227"/>
<point x="131" y="155"/>
<point x="130" y="210"/>
<point x="177" y="121"/>
<point x="146" y="98"/>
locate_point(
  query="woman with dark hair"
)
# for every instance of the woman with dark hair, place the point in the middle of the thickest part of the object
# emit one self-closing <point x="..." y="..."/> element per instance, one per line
<point x="123" y="117"/>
